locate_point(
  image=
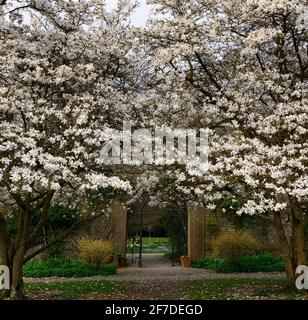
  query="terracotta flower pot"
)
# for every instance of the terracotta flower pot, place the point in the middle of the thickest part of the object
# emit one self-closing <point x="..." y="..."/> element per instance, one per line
<point x="122" y="263"/>
<point x="185" y="261"/>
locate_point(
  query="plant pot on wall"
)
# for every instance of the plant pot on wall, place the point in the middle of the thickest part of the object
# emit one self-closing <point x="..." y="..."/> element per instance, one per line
<point x="185" y="261"/>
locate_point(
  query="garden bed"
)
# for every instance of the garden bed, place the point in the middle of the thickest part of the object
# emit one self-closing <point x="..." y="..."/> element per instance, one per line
<point x="256" y="263"/>
<point x="65" y="267"/>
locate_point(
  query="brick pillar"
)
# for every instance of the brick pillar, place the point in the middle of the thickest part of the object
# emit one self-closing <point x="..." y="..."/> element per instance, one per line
<point x="118" y="226"/>
<point x="196" y="231"/>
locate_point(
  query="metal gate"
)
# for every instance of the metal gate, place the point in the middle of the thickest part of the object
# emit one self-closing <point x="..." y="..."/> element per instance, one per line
<point x="135" y="222"/>
<point x="134" y="242"/>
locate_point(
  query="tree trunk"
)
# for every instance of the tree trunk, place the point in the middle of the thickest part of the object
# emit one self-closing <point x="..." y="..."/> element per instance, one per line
<point x="292" y="247"/>
<point x="16" y="292"/>
<point x="286" y="250"/>
<point x="4" y="253"/>
<point x="17" y="260"/>
<point x="298" y="236"/>
<point x="16" y="282"/>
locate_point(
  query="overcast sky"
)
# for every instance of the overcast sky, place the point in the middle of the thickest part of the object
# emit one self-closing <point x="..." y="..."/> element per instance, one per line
<point x="141" y="14"/>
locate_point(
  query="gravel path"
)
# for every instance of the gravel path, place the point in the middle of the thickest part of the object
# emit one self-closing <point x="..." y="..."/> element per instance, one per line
<point x="157" y="269"/>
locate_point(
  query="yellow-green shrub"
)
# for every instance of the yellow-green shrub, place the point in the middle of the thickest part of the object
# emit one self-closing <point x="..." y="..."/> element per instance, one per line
<point x="95" y="252"/>
<point x="234" y="246"/>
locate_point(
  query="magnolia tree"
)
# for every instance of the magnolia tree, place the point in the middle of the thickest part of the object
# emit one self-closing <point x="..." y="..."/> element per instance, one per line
<point x="66" y="76"/>
<point x="240" y="69"/>
<point x="69" y="74"/>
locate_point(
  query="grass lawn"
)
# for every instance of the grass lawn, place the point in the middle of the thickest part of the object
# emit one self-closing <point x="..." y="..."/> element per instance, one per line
<point x="84" y="290"/>
<point x="156" y="240"/>
<point x="240" y="289"/>
<point x="222" y="289"/>
<point x="153" y="245"/>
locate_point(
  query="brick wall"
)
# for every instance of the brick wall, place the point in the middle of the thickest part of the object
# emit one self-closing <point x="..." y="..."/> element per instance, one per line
<point x="215" y="224"/>
<point x="99" y="229"/>
<point x="218" y="223"/>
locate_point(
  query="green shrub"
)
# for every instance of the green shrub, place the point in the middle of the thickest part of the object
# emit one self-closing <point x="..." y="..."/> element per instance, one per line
<point x="256" y="263"/>
<point x="262" y="263"/>
<point x="60" y="217"/>
<point x="65" y="267"/>
<point x="234" y="246"/>
<point x="216" y="264"/>
<point x="53" y="251"/>
<point x="95" y="252"/>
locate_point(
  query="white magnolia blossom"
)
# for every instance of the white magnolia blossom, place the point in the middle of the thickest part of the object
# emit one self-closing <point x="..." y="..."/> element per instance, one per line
<point x="65" y="73"/>
<point x="238" y="68"/>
